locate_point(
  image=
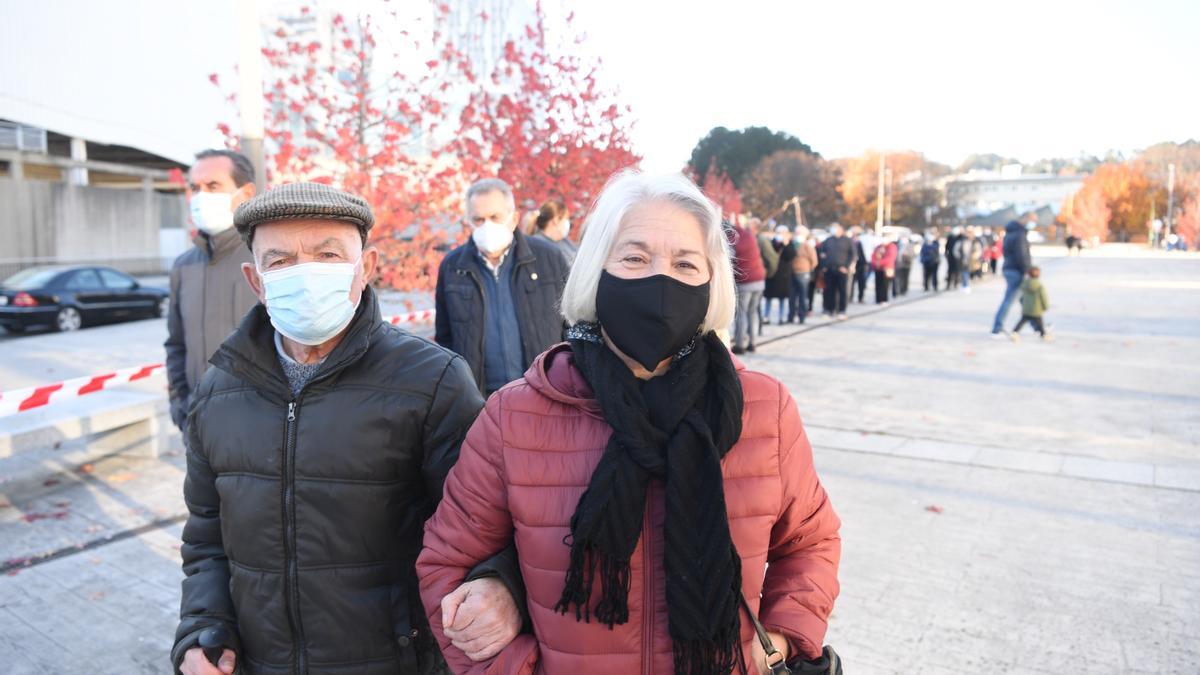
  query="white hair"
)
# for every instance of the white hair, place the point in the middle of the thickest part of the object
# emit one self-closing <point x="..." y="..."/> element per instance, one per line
<point x="486" y="185"/>
<point x="625" y="190"/>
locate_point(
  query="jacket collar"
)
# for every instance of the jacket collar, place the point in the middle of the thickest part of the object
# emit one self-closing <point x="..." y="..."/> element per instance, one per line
<point x="249" y="353"/>
<point x="555" y="376"/>
<point x="219" y="245"/>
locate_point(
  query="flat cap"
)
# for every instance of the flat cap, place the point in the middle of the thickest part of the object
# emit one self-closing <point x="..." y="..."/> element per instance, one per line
<point x="302" y="201"/>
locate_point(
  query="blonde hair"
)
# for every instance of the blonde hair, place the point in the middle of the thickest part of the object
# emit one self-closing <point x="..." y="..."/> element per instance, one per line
<point x="625" y="190"/>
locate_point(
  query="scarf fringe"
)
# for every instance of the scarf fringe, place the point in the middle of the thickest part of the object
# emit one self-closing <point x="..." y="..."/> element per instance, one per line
<point x="613" y="607"/>
<point x="701" y="657"/>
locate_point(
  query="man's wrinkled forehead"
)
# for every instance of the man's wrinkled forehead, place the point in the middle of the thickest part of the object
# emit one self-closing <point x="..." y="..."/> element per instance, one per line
<point x="289" y="238"/>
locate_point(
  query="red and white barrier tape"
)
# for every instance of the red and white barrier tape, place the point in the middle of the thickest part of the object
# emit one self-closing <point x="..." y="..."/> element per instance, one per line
<point x="20" y="400"/>
<point x="412" y="317"/>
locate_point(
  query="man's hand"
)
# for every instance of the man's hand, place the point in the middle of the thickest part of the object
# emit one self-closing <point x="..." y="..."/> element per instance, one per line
<point x="196" y="663"/>
<point x="480" y="618"/>
<point x="760" y="657"/>
<point x="842" y="270"/>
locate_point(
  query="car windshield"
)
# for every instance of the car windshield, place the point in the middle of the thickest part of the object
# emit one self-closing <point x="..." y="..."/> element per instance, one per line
<point x="31" y="278"/>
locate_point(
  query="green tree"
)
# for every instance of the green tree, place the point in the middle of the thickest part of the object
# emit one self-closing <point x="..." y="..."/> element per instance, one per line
<point x="735" y="153"/>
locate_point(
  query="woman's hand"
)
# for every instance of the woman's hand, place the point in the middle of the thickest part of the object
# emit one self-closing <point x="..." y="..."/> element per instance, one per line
<point x="760" y="657"/>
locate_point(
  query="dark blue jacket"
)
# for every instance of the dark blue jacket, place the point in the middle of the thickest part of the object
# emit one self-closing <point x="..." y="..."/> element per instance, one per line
<point x="1016" y="248"/>
<point x="931" y="253"/>
<point x="539" y="275"/>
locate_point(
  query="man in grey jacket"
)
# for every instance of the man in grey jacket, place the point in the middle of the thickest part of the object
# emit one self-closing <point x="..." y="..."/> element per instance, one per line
<point x="208" y="295"/>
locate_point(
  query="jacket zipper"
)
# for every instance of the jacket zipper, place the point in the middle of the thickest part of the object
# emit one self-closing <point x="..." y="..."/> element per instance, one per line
<point x="289" y="519"/>
<point x="647" y="586"/>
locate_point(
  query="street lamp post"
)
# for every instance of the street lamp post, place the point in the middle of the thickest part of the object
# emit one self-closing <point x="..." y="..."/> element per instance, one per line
<point x="1170" y="198"/>
<point x="879" y="197"/>
<point x="250" y="99"/>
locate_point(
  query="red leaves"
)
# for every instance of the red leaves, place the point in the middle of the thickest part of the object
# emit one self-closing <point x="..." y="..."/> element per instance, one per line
<point x="212" y="77"/>
<point x="409" y="143"/>
<point x="933" y="508"/>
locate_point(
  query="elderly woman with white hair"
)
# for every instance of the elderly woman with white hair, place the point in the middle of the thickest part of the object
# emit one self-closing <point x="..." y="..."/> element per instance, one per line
<point x="662" y="498"/>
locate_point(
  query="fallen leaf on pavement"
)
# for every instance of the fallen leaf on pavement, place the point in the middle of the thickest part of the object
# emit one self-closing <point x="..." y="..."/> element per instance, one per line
<point x="98" y="595"/>
<point x="62" y="504"/>
<point x="50" y="481"/>
<point x="934" y="508"/>
<point x="35" y="516"/>
<point x="968" y="353"/>
<point x="86" y="468"/>
<point x="5" y="505"/>
<point x="122" y="477"/>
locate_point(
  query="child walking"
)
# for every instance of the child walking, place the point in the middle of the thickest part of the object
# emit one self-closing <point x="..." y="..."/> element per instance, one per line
<point x="1033" y="305"/>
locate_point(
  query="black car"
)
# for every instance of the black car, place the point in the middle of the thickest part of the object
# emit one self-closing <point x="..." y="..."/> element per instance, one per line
<point x="68" y="298"/>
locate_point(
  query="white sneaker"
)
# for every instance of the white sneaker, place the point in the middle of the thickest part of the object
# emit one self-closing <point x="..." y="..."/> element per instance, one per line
<point x="998" y="335"/>
<point x="1013" y="336"/>
<point x="841" y="317"/>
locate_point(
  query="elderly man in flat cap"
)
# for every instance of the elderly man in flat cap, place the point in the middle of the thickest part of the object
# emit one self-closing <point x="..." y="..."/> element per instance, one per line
<point x="317" y="447"/>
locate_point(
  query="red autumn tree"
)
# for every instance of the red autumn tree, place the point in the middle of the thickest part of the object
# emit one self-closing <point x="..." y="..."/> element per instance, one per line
<point x="720" y="189"/>
<point x="1086" y="213"/>
<point x="408" y="144"/>
<point x="541" y="121"/>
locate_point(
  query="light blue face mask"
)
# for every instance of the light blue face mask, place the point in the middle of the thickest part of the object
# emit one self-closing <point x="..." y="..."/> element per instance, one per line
<point x="310" y="303"/>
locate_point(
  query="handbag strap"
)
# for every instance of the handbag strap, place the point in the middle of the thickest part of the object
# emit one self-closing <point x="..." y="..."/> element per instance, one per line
<point x="775" y="658"/>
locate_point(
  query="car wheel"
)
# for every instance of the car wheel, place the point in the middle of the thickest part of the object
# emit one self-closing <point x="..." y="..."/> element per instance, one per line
<point x="163" y="305"/>
<point x="68" y="319"/>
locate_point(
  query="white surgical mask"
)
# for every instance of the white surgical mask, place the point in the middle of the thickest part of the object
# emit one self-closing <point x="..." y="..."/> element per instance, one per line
<point x="492" y="237"/>
<point x="310" y="303"/>
<point x="566" y="228"/>
<point x="212" y="212"/>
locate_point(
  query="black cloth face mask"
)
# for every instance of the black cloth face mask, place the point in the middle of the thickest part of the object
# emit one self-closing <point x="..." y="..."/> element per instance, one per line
<point x="652" y="318"/>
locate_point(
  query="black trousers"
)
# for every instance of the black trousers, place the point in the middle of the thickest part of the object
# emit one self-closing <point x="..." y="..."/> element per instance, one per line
<point x="812" y="288"/>
<point x="882" y="285"/>
<point x="836" y="286"/>
<point x="902" y="274"/>
<point x="953" y="275"/>
<point x="1035" y="321"/>
<point x="930" y="275"/>
<point x="859" y="287"/>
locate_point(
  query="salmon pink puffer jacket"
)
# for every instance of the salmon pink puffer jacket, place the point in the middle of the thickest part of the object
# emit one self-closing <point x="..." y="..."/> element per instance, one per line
<point x="524" y="465"/>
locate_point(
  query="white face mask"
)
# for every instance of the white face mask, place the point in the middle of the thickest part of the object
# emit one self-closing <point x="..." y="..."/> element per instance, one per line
<point x="310" y="303"/>
<point x="212" y="212"/>
<point x="492" y="237"/>
<point x="566" y="228"/>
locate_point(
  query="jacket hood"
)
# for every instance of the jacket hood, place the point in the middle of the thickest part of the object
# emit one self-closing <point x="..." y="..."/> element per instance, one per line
<point x="1014" y="226"/>
<point x="554" y="375"/>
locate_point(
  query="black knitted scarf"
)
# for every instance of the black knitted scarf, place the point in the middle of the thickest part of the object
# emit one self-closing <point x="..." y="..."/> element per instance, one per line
<point x="675" y="428"/>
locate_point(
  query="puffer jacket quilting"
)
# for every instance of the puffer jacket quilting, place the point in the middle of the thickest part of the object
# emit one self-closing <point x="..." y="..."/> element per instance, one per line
<point x="525" y="464"/>
<point x="306" y="512"/>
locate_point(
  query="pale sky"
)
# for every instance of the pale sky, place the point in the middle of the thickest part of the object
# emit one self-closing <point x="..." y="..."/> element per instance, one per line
<point x="1023" y="78"/>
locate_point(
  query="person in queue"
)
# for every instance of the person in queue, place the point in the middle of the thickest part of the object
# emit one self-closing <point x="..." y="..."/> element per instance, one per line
<point x="317" y="447"/>
<point x="208" y="296"/>
<point x="553" y="224"/>
<point x="497" y="294"/>
<point x="676" y="474"/>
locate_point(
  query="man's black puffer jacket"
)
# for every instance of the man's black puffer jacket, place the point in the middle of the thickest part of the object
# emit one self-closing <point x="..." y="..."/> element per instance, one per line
<point x="307" y="512"/>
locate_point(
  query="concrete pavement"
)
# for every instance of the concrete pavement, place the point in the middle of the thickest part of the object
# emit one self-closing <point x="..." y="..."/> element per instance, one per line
<point x="997" y="515"/>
